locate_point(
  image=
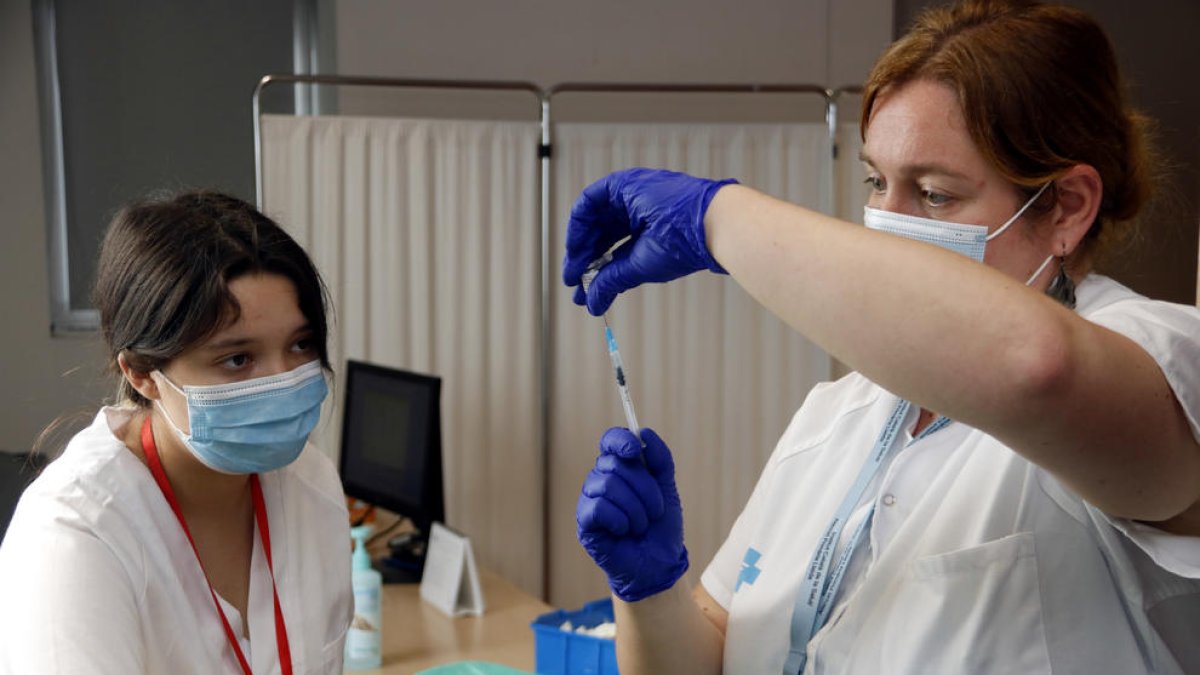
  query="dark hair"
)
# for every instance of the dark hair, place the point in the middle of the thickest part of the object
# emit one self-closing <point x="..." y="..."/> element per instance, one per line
<point x="1040" y="92"/>
<point x="162" y="282"/>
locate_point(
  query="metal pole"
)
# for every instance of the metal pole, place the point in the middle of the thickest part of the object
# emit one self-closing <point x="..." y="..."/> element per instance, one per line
<point x="831" y="121"/>
<point x="834" y="97"/>
<point x="624" y="88"/>
<point x="256" y="109"/>
<point x="545" y="151"/>
<point x="414" y="83"/>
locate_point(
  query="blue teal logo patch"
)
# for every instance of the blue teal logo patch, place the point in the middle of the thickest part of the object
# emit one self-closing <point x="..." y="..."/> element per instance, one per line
<point x="750" y="570"/>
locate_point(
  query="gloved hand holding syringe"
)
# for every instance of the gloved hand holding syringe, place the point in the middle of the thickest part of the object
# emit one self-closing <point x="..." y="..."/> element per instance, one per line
<point x="614" y="354"/>
<point x="629" y="517"/>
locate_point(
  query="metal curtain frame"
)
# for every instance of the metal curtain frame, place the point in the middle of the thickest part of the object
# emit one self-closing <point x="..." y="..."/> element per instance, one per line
<point x="829" y="95"/>
<point x="544" y="177"/>
<point x="834" y="98"/>
<point x="357" y="81"/>
<point x="546" y="155"/>
<point x="545" y="152"/>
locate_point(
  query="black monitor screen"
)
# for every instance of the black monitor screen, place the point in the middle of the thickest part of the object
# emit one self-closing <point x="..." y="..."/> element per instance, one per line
<point x="391" y="441"/>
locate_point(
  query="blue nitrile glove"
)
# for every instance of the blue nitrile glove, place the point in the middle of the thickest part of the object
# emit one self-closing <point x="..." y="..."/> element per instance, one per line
<point x="663" y="212"/>
<point x="629" y="518"/>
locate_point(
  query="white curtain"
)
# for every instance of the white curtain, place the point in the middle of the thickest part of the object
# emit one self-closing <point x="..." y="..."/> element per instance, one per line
<point x="716" y="375"/>
<point x="426" y="233"/>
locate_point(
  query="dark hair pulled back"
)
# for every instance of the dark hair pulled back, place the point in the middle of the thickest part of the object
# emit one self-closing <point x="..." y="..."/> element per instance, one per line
<point x="162" y="282"/>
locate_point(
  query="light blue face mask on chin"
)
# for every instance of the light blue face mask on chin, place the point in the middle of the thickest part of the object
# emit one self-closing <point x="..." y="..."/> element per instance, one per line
<point x="251" y="426"/>
<point x="969" y="240"/>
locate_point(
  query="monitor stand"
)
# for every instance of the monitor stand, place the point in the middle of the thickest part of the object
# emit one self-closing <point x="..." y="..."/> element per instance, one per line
<point x="405" y="560"/>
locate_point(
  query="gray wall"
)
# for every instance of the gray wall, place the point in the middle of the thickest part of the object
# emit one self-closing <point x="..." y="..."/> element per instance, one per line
<point x="157" y="97"/>
<point x="820" y="41"/>
<point x="1156" y="47"/>
<point x="618" y="40"/>
<point x="681" y="41"/>
<point x="132" y="124"/>
<point x="42" y="377"/>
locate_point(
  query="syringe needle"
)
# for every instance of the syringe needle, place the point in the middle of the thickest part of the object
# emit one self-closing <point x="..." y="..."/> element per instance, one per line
<point x="622" y="387"/>
<point x="614" y="354"/>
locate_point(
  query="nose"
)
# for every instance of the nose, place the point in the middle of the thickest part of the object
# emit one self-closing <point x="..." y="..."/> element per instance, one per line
<point x="281" y="363"/>
<point x="273" y="366"/>
<point x="894" y="201"/>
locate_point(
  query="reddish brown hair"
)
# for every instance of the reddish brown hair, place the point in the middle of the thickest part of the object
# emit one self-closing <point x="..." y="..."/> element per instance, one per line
<point x="1040" y="92"/>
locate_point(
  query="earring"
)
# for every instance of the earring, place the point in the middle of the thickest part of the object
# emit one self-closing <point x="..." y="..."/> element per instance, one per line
<point x="1062" y="288"/>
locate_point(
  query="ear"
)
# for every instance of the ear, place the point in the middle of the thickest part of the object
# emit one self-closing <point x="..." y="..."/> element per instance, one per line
<point x="141" y="381"/>
<point x="1080" y="190"/>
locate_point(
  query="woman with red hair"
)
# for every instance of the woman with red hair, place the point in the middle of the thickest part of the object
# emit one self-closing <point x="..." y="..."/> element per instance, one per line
<point x="1009" y="482"/>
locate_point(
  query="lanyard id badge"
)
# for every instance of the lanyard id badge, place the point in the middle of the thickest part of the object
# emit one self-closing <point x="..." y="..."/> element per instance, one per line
<point x="264" y="534"/>
<point x="822" y="577"/>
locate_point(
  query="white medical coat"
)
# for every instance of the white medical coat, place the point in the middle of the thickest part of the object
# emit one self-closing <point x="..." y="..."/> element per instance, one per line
<point x="978" y="561"/>
<point x="96" y="575"/>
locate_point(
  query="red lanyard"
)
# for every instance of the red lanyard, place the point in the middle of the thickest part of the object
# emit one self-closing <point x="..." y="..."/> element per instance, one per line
<point x="260" y="514"/>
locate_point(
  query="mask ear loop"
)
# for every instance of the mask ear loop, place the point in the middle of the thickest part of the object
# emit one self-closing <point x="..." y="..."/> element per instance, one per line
<point x="163" y="409"/>
<point x="1041" y="268"/>
<point x="1016" y="216"/>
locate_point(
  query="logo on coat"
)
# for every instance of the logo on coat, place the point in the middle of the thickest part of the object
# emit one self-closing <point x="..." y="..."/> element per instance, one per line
<point x="750" y="570"/>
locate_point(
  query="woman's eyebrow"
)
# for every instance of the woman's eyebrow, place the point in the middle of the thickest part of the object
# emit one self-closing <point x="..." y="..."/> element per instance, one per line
<point x="922" y="169"/>
<point x="227" y="343"/>
<point x="934" y="168"/>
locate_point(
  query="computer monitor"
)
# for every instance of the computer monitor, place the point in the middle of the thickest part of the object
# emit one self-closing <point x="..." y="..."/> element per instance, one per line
<point x="392" y="447"/>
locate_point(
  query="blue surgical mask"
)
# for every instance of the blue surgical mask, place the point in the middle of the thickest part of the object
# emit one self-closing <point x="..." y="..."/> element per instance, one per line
<point x="251" y="426"/>
<point x="969" y="240"/>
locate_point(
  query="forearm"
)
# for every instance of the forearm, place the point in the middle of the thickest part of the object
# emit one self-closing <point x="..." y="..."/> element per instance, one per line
<point x="920" y="321"/>
<point x="971" y="343"/>
<point x="666" y="633"/>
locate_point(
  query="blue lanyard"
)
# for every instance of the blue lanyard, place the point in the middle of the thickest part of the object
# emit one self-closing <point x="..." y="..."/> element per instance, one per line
<point x="814" y="599"/>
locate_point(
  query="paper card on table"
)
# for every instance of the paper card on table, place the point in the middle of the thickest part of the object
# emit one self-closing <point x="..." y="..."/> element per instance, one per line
<point x="450" y="581"/>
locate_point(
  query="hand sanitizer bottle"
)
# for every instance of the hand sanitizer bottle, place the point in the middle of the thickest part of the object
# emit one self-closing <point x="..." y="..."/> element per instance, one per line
<point x="364" y="639"/>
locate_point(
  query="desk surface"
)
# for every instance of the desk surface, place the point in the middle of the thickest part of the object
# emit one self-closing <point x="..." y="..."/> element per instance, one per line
<point x="417" y="636"/>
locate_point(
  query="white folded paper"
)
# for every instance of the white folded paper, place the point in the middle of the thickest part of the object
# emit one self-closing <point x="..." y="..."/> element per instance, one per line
<point x="450" y="581"/>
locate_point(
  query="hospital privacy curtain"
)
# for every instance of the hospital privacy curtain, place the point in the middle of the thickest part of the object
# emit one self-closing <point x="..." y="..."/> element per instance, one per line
<point x="716" y="375"/>
<point x="426" y="233"/>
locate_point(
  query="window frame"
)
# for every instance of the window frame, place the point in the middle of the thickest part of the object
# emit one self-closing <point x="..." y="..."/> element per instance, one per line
<point x="64" y="319"/>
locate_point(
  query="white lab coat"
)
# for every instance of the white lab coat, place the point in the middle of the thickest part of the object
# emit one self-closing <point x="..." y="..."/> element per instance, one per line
<point x="96" y="575"/>
<point x="978" y="561"/>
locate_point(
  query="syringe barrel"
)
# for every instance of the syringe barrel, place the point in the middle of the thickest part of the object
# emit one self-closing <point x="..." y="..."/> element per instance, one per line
<point x="630" y="416"/>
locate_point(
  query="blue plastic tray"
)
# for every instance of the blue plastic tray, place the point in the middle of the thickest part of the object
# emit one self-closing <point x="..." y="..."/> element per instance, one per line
<point x="561" y="653"/>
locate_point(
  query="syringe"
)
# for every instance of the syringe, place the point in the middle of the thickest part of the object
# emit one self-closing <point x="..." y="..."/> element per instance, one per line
<point x="614" y="354"/>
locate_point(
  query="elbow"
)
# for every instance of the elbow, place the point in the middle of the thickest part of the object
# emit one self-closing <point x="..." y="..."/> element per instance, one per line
<point x="1043" y="369"/>
<point x="1168" y="509"/>
<point x="1130" y="477"/>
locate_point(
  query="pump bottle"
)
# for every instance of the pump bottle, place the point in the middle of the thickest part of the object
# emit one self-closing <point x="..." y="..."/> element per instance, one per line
<point x="364" y="639"/>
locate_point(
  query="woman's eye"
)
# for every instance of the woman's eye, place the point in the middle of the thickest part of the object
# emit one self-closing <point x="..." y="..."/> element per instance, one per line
<point x="236" y="362"/>
<point x="934" y="198"/>
<point x="875" y="183"/>
<point x="303" y="345"/>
